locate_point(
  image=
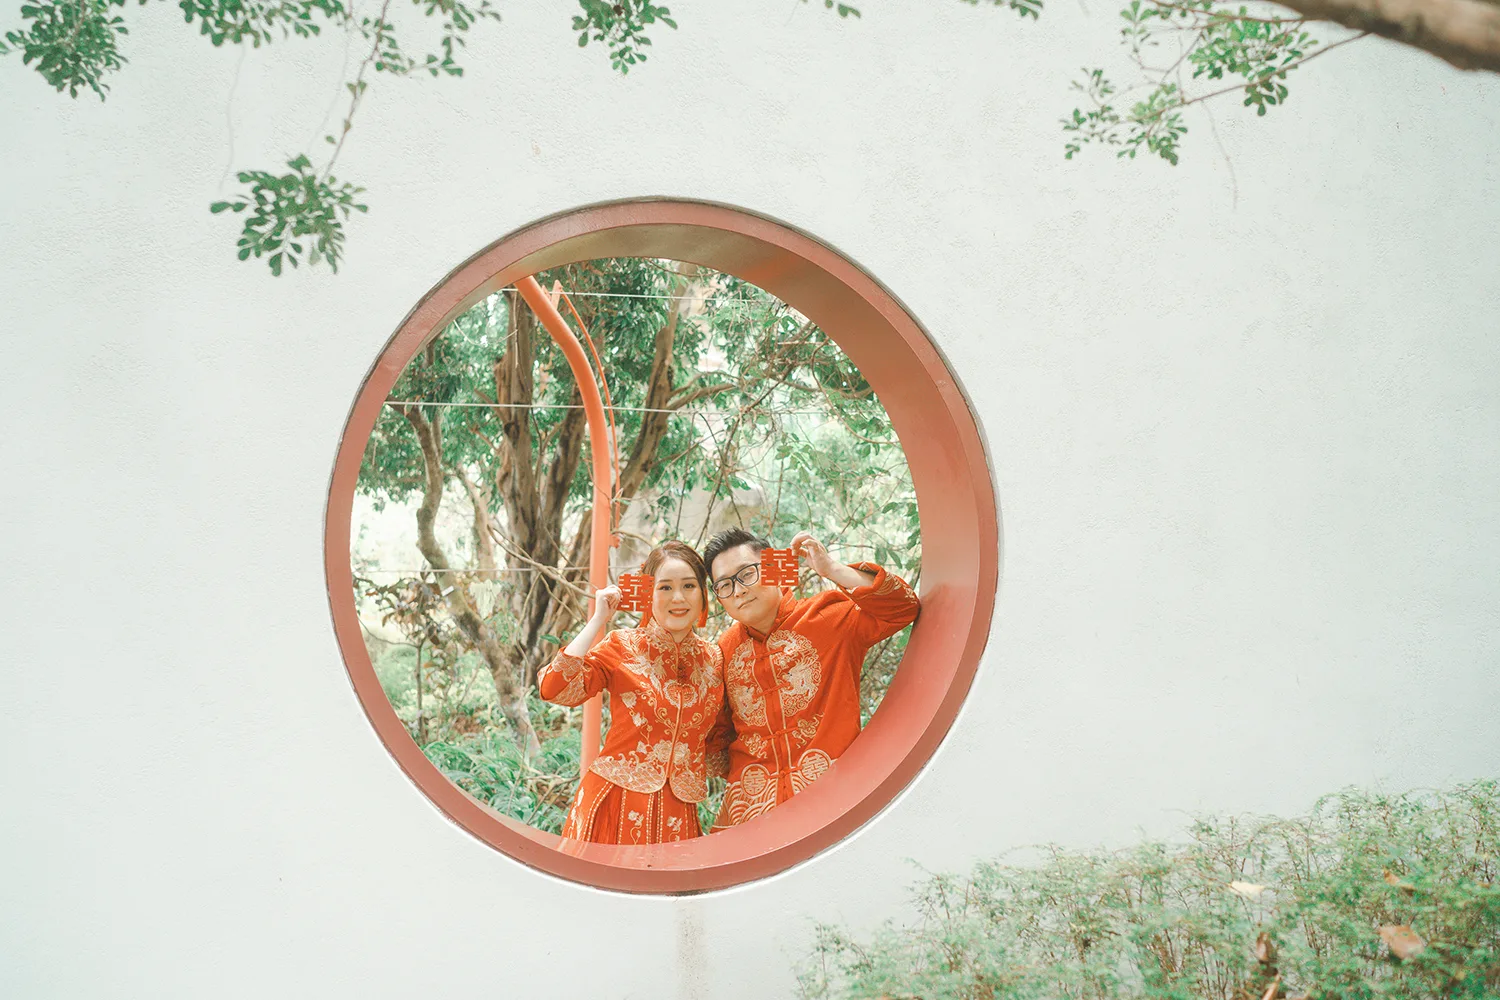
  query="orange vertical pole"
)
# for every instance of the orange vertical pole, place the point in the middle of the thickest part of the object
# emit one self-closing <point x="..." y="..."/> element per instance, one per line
<point x="601" y="539"/>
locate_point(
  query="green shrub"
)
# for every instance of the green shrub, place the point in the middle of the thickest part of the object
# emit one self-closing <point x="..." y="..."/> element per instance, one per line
<point x="708" y="809"/>
<point x="1369" y="896"/>
<point x="491" y="767"/>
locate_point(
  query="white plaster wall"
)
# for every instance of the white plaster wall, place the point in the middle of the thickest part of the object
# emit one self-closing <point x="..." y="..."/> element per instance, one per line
<point x="1243" y="416"/>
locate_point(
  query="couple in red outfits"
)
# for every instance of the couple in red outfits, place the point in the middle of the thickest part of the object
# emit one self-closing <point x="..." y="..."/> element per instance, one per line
<point x="770" y="706"/>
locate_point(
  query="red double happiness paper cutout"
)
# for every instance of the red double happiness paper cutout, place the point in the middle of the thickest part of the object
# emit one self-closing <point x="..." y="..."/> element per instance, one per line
<point x="778" y="568"/>
<point x="635" y="592"/>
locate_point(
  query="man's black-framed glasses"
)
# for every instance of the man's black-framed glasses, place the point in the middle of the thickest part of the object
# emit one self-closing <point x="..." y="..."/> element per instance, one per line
<point x="747" y="577"/>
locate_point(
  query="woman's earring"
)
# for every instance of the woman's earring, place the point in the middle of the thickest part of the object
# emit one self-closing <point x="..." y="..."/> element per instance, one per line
<point x="703" y="615"/>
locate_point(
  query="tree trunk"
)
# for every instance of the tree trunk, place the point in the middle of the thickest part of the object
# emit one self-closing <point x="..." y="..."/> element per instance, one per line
<point x="484" y="539"/>
<point x="658" y="395"/>
<point x="512" y="695"/>
<point x="533" y="478"/>
<point x="1464" y="33"/>
<point x="533" y="488"/>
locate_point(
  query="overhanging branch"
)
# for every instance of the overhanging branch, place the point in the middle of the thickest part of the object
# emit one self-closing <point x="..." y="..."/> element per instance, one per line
<point x="1463" y="33"/>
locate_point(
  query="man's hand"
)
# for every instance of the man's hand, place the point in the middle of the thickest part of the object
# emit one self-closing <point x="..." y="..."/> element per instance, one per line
<point x="823" y="564"/>
<point x="809" y="548"/>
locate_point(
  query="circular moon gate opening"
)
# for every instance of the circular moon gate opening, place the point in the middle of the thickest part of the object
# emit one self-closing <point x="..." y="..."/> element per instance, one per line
<point x="959" y="529"/>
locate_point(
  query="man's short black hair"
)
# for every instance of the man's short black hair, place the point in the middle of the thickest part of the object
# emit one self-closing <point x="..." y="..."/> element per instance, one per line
<point x="731" y="538"/>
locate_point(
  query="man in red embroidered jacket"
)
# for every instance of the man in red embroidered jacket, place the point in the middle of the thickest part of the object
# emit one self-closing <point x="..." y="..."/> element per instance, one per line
<point x="792" y="667"/>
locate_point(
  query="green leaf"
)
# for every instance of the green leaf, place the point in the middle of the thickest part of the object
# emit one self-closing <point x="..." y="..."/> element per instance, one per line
<point x="296" y="204"/>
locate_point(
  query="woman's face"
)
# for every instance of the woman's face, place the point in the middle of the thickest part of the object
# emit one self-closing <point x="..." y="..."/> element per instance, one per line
<point x="676" y="600"/>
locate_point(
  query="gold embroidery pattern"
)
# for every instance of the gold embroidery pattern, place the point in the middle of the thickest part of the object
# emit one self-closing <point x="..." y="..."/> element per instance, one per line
<point x="580" y="822"/>
<point x="689" y="783"/>
<point x="744" y="693"/>
<point x="716" y="763"/>
<point x="752" y="795"/>
<point x="806" y="729"/>
<point x="639" y="821"/>
<point x="646" y="658"/>
<point x="893" y="584"/>
<point x="572" y="670"/>
<point x="755" y="792"/>
<point x="663" y="705"/>
<point x="756" y="744"/>
<point x="810" y="767"/>
<point x="643" y="769"/>
<point x="794" y="664"/>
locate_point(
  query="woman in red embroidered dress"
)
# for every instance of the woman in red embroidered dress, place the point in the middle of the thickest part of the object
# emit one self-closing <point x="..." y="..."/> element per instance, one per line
<point x="666" y="687"/>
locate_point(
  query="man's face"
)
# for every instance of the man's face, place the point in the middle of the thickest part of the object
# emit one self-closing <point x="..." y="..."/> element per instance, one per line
<point x="754" y="605"/>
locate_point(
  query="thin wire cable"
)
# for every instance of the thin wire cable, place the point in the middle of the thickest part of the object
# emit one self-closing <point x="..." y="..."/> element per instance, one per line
<point x="649" y="295"/>
<point x="533" y="569"/>
<point x="686" y="411"/>
<point x="498" y="569"/>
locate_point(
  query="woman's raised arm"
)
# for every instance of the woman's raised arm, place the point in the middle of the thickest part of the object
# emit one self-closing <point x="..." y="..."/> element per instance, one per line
<point x="580" y="671"/>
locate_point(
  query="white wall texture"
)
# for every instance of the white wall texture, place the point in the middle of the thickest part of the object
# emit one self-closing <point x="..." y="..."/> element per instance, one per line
<point x="1243" y="416"/>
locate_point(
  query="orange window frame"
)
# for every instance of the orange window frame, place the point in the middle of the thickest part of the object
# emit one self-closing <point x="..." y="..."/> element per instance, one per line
<point x="956" y="500"/>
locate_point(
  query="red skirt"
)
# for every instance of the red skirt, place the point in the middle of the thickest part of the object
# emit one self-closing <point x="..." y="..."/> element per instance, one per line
<point x="605" y="813"/>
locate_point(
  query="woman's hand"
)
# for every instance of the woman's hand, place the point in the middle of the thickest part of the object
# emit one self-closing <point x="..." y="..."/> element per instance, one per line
<point x="606" y="603"/>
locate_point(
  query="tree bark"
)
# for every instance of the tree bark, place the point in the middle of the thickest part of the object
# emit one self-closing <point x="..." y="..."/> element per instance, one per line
<point x="533" y="478"/>
<point x="658" y="396"/>
<point x="512" y="695"/>
<point x="1463" y="33"/>
<point x="484" y="541"/>
<point x="532" y="484"/>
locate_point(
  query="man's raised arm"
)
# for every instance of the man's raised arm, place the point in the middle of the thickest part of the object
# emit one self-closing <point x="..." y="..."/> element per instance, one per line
<point x="886" y="603"/>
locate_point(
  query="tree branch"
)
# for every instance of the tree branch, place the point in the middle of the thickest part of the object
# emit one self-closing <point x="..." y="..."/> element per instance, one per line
<point x="1463" y="33"/>
<point x="484" y="548"/>
<point x="701" y="393"/>
<point x="470" y="623"/>
<point x="659" y="392"/>
<point x="1189" y="102"/>
<point x="357" y="88"/>
<point x="551" y="573"/>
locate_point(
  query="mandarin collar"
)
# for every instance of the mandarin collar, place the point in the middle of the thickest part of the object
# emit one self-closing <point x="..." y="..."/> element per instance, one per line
<point x="658" y="631"/>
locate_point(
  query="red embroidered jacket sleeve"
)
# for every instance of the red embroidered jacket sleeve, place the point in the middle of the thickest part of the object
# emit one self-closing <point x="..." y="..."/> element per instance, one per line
<point x="573" y="680"/>
<point x="883" y="607"/>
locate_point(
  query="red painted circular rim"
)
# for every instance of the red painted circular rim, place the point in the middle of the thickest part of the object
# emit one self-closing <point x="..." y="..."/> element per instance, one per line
<point x="955" y="498"/>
